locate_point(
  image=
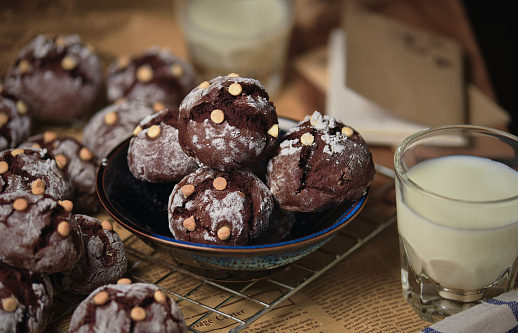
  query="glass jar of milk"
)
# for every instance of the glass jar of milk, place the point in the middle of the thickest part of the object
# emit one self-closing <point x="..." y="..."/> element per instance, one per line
<point x="247" y="37"/>
<point x="457" y="212"/>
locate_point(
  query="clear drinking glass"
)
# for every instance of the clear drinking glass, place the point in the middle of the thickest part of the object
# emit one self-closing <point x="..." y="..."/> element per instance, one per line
<point x="457" y="211"/>
<point x="247" y="37"/>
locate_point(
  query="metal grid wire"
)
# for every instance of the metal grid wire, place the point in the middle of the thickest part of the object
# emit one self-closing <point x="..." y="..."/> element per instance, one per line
<point x="205" y="302"/>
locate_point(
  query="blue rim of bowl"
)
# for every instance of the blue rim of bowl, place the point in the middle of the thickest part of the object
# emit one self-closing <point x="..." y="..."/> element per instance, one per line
<point x="346" y="217"/>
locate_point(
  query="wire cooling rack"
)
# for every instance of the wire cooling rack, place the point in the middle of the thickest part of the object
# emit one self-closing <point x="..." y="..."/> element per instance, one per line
<point x="231" y="306"/>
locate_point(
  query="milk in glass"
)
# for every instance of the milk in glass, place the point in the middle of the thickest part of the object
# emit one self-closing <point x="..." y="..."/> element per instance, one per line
<point x="460" y="243"/>
<point x="248" y="37"/>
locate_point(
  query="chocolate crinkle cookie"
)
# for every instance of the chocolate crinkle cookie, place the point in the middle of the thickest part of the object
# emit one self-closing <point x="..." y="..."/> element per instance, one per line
<point x="155" y="75"/>
<point x="15" y="123"/>
<point x="220" y="207"/>
<point x="228" y="123"/>
<point x="80" y="164"/>
<point x="115" y="123"/>
<point x="39" y="233"/>
<point x="103" y="261"/>
<point x="25" y="300"/>
<point x="58" y="76"/>
<point x="129" y="308"/>
<point x="319" y="163"/>
<point x="34" y="170"/>
<point x="154" y="153"/>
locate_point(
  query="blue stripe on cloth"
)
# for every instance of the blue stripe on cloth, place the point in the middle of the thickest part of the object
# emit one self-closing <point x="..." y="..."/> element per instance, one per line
<point x="430" y="330"/>
<point x="513" y="306"/>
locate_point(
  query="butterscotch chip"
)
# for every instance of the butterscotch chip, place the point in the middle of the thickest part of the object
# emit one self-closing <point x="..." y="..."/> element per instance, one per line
<point x="63" y="229"/>
<point x="66" y="204"/>
<point x="153" y="131"/>
<point x="224" y="233"/>
<point x="16" y="152"/>
<point x="21" y="107"/>
<point x="235" y="89"/>
<point x="24" y="66"/>
<point x="101" y="298"/>
<point x="68" y="63"/>
<point x="219" y="183"/>
<point x="120" y="101"/>
<point x="38" y="187"/>
<point x="110" y="118"/>
<point x="158" y="106"/>
<point x="106" y="225"/>
<point x="60" y="41"/>
<point x="20" y="204"/>
<point x="307" y="139"/>
<point x="124" y="281"/>
<point x="187" y="190"/>
<point x="177" y="70"/>
<point x="123" y="62"/>
<point x="61" y="161"/>
<point x="4" y="119"/>
<point x="144" y="73"/>
<point x="85" y="154"/>
<point x="137" y="130"/>
<point x="274" y="130"/>
<point x="233" y="75"/>
<point x="189" y="223"/>
<point x="9" y="304"/>
<point x="204" y="85"/>
<point x="160" y="297"/>
<point x="3" y="167"/>
<point x="347" y="131"/>
<point x="36" y="146"/>
<point x="49" y="136"/>
<point x="217" y="116"/>
<point x="138" y="313"/>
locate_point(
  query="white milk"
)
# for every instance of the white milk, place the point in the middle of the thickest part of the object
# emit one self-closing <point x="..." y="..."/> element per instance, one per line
<point x="245" y="37"/>
<point x="460" y="244"/>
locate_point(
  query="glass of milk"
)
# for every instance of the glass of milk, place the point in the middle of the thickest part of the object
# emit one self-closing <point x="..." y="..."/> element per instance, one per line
<point x="246" y="37"/>
<point x="457" y="216"/>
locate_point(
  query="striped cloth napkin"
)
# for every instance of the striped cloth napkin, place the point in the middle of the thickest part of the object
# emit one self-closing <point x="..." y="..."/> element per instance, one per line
<point x="499" y="314"/>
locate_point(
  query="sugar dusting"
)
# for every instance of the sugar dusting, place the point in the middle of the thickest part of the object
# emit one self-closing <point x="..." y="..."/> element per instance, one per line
<point x="227" y="209"/>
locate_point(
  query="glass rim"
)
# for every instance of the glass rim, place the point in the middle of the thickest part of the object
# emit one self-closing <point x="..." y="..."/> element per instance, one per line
<point x="401" y="175"/>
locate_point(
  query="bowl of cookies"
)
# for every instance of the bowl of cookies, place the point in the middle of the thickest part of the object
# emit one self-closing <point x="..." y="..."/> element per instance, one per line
<point x="230" y="190"/>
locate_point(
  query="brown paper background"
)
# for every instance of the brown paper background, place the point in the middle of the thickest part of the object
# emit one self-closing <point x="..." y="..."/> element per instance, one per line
<point x="410" y="72"/>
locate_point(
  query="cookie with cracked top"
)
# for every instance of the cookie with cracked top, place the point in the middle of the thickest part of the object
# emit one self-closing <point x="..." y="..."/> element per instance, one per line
<point x="103" y="261"/>
<point x="133" y="307"/>
<point x="59" y="77"/>
<point x="228" y="123"/>
<point x="25" y="300"/>
<point x="320" y="163"/>
<point x="81" y="166"/>
<point x="115" y="123"/>
<point x="210" y="206"/>
<point x="36" y="171"/>
<point x="155" y="75"/>
<point x="39" y="233"/>
<point x="154" y="153"/>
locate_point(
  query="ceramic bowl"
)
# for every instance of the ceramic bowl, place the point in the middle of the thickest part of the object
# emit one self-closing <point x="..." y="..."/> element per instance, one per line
<point x="140" y="207"/>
